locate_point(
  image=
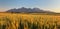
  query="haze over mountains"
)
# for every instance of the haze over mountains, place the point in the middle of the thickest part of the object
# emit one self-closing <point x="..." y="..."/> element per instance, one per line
<point x="28" y="10"/>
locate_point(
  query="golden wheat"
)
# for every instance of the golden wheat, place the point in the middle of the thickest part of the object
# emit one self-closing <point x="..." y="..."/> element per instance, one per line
<point x="14" y="21"/>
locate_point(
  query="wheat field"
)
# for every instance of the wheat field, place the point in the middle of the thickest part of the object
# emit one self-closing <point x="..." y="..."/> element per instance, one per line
<point x="29" y="21"/>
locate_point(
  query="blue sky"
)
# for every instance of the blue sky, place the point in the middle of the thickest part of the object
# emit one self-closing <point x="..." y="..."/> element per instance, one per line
<point x="52" y="5"/>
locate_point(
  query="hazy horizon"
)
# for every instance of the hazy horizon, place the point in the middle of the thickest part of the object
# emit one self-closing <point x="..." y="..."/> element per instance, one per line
<point x="51" y="5"/>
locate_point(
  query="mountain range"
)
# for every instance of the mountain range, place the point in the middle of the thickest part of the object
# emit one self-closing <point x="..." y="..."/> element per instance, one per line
<point x="28" y="10"/>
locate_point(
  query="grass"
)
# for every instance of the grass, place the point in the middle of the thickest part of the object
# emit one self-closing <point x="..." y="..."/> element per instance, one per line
<point x="29" y="21"/>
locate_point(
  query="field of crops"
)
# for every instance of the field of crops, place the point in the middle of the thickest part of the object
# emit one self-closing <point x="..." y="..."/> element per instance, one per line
<point x="29" y="21"/>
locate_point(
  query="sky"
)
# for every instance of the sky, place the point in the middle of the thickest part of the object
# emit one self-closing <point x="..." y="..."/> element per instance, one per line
<point x="51" y="5"/>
